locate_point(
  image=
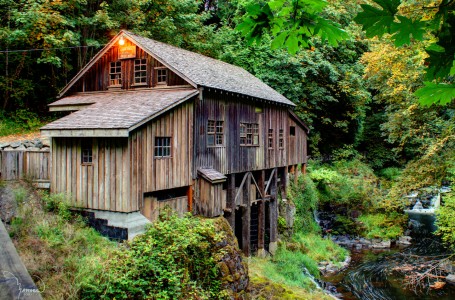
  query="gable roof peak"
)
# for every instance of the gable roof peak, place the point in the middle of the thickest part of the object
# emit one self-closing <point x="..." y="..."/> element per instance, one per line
<point x="197" y="69"/>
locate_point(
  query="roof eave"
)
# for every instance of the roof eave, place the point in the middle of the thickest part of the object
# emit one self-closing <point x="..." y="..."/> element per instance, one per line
<point x="85" y="132"/>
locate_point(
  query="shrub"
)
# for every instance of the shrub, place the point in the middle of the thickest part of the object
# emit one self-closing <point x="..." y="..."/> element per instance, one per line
<point x="445" y="221"/>
<point x="175" y="259"/>
<point x="382" y="226"/>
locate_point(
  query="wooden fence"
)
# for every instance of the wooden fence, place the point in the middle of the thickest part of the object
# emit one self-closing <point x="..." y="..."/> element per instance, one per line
<point x="33" y="165"/>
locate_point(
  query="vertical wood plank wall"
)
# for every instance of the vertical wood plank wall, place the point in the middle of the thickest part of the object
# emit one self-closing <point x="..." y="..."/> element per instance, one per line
<point x="34" y="165"/>
<point x="297" y="145"/>
<point x="153" y="207"/>
<point x="104" y="184"/>
<point x="150" y="174"/>
<point x="211" y="198"/>
<point x="97" y="77"/>
<point x="233" y="158"/>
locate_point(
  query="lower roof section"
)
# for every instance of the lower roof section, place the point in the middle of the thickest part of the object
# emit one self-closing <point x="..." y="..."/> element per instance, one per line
<point x="117" y="113"/>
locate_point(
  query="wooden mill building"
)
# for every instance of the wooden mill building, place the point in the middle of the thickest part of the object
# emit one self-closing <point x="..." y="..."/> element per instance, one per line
<point x="153" y="125"/>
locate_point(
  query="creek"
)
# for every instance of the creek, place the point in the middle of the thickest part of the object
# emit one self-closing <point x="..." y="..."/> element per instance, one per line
<point x="373" y="274"/>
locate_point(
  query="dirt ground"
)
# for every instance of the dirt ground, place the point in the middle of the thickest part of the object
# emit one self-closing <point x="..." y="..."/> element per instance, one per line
<point x="20" y="137"/>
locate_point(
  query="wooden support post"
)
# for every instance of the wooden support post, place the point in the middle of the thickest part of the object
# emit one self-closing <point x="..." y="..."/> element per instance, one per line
<point x="261" y="216"/>
<point x="230" y="201"/>
<point x="304" y="169"/>
<point x="246" y="216"/>
<point x="284" y="181"/>
<point x="190" y="198"/>
<point x="274" y="214"/>
<point x="296" y="174"/>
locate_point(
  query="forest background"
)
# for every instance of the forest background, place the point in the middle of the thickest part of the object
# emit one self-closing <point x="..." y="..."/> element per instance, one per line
<point x="356" y="93"/>
<point x="370" y="142"/>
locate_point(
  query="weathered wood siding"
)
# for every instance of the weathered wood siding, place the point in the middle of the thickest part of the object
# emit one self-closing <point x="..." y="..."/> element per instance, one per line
<point x="104" y="184"/>
<point x="211" y="198"/>
<point x="33" y="165"/>
<point x="231" y="157"/>
<point x="152" y="207"/>
<point x="297" y="153"/>
<point x="150" y="174"/>
<point x="97" y="77"/>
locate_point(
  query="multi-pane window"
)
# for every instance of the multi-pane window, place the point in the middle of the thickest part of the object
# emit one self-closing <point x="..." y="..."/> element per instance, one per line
<point x="161" y="76"/>
<point x="249" y="134"/>
<point x="270" y="139"/>
<point x="281" y="139"/>
<point x="87" y="152"/>
<point x="162" y="147"/>
<point x="115" y="73"/>
<point x="215" y="133"/>
<point x="140" y="71"/>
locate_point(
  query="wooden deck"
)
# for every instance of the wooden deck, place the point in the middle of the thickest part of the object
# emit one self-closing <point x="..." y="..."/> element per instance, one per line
<point x="15" y="281"/>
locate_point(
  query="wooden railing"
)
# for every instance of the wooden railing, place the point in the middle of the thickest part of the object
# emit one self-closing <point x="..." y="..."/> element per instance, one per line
<point x="32" y="165"/>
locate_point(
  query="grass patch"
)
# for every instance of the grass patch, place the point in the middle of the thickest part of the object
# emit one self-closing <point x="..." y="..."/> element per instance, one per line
<point x="266" y="282"/>
<point x="58" y="249"/>
<point x="382" y="226"/>
<point x="319" y="248"/>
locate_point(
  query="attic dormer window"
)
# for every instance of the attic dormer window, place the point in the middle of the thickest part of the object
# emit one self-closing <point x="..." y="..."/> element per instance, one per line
<point x="115" y="73"/>
<point x="140" y="71"/>
<point x="161" y="75"/>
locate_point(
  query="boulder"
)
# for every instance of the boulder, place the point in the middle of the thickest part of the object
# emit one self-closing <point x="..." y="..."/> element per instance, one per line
<point x="451" y="279"/>
<point x="28" y="144"/>
<point x="15" y="144"/>
<point x="38" y="143"/>
<point x="404" y="240"/>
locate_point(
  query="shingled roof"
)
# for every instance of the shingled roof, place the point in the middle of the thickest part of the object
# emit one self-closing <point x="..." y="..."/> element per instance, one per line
<point x="116" y="113"/>
<point x="199" y="70"/>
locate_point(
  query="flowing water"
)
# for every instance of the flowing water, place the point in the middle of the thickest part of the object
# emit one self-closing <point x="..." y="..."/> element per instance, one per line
<point x="371" y="275"/>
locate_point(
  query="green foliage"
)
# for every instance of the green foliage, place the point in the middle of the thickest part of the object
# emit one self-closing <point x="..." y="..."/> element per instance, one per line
<point x="432" y="169"/>
<point x="305" y="198"/>
<point x="288" y="267"/>
<point x="59" y="204"/>
<point x="377" y="21"/>
<point x="351" y="183"/>
<point x="439" y="19"/>
<point x="62" y="252"/>
<point x="19" y="122"/>
<point x="382" y="226"/>
<point x="175" y="259"/>
<point x="292" y="24"/>
<point x="318" y="248"/>
<point x="436" y="92"/>
<point x="391" y="173"/>
<point x="20" y="194"/>
<point x="444" y="220"/>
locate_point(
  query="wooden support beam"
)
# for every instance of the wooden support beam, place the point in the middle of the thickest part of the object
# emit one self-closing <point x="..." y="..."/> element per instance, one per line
<point x="274" y="209"/>
<point x="241" y="186"/>
<point x="261" y="214"/>
<point x="230" y="201"/>
<point x="190" y="198"/>
<point x="246" y="215"/>
<point x="284" y="182"/>
<point x="304" y="169"/>
<point x="269" y="181"/>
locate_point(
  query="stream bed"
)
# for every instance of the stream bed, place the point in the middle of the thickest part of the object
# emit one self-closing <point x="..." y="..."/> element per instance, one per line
<point x="371" y="273"/>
